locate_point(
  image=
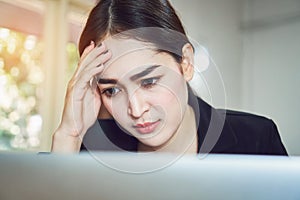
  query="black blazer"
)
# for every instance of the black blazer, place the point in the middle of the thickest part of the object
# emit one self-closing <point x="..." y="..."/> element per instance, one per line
<point x="219" y="131"/>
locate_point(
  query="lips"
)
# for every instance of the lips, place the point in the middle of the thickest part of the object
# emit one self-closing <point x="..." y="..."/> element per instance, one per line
<point x="147" y="127"/>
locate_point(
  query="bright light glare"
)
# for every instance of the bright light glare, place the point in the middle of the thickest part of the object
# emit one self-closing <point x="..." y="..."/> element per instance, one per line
<point x="1" y="63"/>
<point x="4" y="33"/>
<point x="30" y="42"/>
<point x="12" y="45"/>
<point x="201" y="59"/>
<point x="34" y="125"/>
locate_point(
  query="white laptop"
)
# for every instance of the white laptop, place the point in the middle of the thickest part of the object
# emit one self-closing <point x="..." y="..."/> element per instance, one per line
<point x="147" y="176"/>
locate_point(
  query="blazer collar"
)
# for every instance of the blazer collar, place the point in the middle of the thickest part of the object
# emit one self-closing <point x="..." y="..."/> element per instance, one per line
<point x="215" y="135"/>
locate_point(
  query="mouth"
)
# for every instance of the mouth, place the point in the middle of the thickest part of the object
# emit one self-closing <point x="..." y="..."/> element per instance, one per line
<point x="147" y="127"/>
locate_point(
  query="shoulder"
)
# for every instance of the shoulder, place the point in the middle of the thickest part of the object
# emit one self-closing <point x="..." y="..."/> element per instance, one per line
<point x="255" y="134"/>
<point x="242" y="132"/>
<point x="246" y="121"/>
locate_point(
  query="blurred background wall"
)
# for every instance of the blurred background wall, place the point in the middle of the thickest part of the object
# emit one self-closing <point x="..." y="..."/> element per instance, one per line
<point x="254" y="44"/>
<point x="271" y="64"/>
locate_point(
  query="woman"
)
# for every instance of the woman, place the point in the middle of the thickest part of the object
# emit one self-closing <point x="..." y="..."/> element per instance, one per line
<point x="136" y="62"/>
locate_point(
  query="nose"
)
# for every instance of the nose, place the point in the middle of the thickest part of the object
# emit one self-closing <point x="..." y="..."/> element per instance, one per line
<point x="137" y="104"/>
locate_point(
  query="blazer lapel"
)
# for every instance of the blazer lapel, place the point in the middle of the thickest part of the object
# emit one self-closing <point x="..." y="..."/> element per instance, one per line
<point x="215" y="134"/>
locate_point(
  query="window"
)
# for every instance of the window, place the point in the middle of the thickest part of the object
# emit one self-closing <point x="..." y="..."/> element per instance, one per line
<point x="21" y="76"/>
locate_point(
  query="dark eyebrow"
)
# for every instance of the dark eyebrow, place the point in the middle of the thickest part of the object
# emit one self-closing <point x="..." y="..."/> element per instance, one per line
<point x="107" y="81"/>
<point x="147" y="71"/>
<point x="132" y="78"/>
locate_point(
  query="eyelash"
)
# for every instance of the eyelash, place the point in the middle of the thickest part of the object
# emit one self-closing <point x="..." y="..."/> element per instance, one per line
<point x="108" y="92"/>
<point x="149" y="82"/>
<point x="146" y="84"/>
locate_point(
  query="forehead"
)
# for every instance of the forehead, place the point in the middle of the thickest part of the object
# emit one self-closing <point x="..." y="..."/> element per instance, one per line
<point x="130" y="54"/>
<point x="125" y="47"/>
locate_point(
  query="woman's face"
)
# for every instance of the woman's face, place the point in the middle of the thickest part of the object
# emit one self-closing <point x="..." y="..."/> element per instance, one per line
<point x="144" y="91"/>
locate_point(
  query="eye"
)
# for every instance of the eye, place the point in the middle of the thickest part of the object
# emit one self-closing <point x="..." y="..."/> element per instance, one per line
<point x="110" y="92"/>
<point x="149" y="82"/>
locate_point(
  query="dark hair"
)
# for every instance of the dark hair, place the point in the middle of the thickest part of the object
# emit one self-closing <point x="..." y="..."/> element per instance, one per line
<point x="111" y="17"/>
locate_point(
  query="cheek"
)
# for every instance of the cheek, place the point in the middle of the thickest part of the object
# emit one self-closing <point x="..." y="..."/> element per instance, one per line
<point x="168" y="100"/>
<point x="171" y="101"/>
<point x="116" y="107"/>
<point x="163" y="97"/>
<point x="172" y="90"/>
<point x="107" y="104"/>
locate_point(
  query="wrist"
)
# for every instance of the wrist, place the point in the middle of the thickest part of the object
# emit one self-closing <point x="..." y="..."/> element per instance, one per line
<point x="66" y="142"/>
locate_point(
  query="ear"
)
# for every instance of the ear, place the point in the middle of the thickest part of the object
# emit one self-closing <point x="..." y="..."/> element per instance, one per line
<point x="187" y="63"/>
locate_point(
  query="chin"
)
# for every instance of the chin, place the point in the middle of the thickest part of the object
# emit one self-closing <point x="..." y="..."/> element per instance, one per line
<point x="155" y="142"/>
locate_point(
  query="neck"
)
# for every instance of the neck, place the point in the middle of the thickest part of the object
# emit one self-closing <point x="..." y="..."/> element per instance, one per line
<point x="184" y="140"/>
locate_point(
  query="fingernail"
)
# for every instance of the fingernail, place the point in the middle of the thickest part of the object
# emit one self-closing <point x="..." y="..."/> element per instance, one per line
<point x="92" y="42"/>
<point x="99" y="45"/>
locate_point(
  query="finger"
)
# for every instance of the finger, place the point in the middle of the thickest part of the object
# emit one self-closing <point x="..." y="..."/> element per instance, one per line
<point x="91" y="107"/>
<point x="81" y="82"/>
<point x="92" y="55"/>
<point x="84" y="80"/>
<point x="95" y="89"/>
<point x="100" y="60"/>
<point x="88" y="49"/>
